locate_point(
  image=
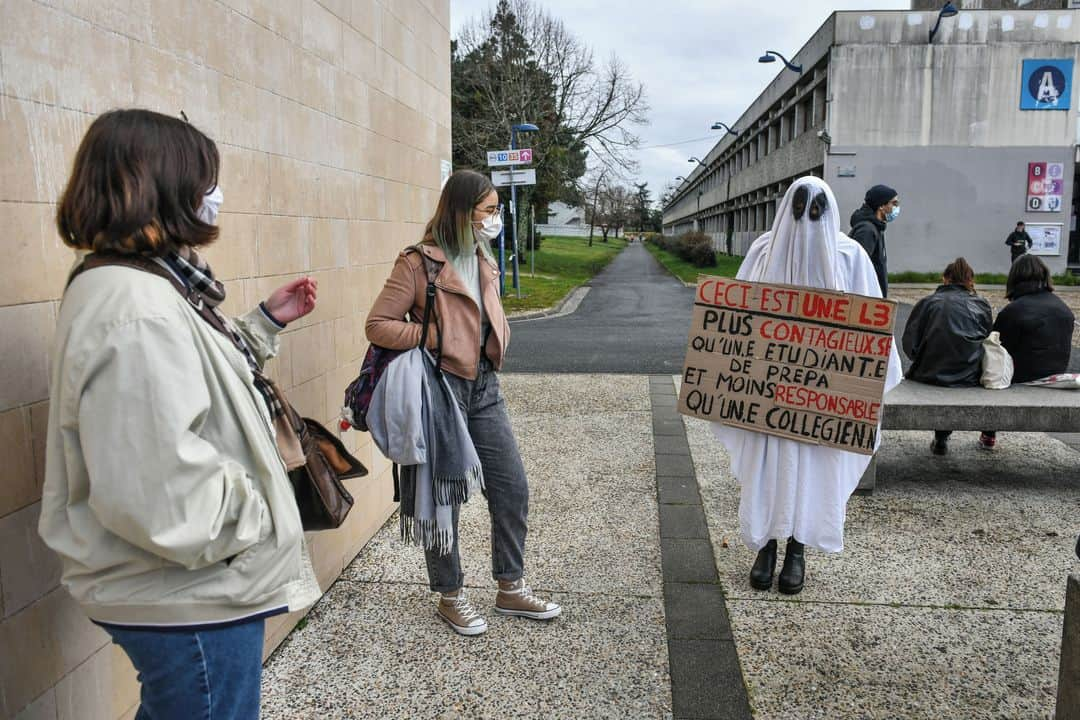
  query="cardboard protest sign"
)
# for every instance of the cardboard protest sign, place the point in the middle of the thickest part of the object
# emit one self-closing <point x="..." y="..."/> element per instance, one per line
<point x="801" y="363"/>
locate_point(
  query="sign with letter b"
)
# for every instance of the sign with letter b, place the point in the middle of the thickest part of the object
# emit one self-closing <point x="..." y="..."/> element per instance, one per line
<point x="1045" y="186"/>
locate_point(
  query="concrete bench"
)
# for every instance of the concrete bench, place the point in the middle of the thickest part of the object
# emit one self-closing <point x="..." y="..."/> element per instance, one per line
<point x="1068" y="699"/>
<point x="1020" y="408"/>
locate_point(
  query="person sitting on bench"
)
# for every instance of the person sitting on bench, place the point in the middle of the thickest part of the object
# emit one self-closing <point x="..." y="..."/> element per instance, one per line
<point x="1036" y="326"/>
<point x="944" y="337"/>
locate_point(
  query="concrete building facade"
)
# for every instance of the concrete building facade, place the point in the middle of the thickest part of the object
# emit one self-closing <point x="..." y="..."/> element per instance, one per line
<point x="332" y="117"/>
<point x="565" y="220"/>
<point x="942" y="123"/>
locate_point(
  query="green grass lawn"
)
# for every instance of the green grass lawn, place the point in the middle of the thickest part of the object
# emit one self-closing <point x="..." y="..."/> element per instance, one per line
<point x="562" y="264"/>
<point x="980" y="278"/>
<point x="726" y="265"/>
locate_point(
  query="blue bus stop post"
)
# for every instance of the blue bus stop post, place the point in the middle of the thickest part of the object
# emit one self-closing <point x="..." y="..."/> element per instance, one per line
<point x="513" y="215"/>
<point x="502" y="263"/>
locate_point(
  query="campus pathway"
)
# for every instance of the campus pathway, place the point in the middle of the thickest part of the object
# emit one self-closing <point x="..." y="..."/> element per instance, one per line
<point x="373" y="647"/>
<point x="946" y="603"/>
<point x="634" y="320"/>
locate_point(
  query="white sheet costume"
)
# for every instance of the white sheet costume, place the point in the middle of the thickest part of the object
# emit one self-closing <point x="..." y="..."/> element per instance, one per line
<point x="791" y="488"/>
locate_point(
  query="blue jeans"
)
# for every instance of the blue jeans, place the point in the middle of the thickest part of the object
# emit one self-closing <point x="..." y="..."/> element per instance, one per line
<point x="196" y="674"/>
<point x="506" y="488"/>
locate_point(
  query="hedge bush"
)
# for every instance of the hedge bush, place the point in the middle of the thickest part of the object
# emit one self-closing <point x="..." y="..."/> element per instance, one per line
<point x="695" y="248"/>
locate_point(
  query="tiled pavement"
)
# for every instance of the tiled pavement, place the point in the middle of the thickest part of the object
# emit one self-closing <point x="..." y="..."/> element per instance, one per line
<point x="946" y="602"/>
<point x="373" y="647"/>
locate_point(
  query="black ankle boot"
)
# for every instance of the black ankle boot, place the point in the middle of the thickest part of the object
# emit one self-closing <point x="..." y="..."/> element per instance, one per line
<point x="764" y="567"/>
<point x="791" y="575"/>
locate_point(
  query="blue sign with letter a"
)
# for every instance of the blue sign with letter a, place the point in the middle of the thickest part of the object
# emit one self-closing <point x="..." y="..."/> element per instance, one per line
<point x="1046" y="85"/>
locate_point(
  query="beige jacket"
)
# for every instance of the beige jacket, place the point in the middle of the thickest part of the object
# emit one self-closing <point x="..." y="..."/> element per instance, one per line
<point x="458" y="315"/>
<point x="164" y="495"/>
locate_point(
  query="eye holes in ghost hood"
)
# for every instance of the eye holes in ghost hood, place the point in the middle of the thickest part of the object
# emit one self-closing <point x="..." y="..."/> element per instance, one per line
<point x="802" y="201"/>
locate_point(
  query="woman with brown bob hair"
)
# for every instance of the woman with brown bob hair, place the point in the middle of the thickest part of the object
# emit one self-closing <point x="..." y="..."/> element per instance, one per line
<point x="472" y="333"/>
<point x="165" y="496"/>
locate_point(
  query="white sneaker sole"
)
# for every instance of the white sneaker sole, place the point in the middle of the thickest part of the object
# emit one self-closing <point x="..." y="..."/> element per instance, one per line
<point x="467" y="631"/>
<point x="546" y="615"/>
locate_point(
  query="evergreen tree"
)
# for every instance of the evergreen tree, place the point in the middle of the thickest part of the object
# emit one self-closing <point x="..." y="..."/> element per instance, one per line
<point x="518" y="64"/>
<point x="498" y="84"/>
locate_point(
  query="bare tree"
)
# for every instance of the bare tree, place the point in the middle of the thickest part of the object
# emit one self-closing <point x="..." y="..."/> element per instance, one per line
<point x="612" y="209"/>
<point x="620" y="208"/>
<point x="596" y="105"/>
<point x="666" y="194"/>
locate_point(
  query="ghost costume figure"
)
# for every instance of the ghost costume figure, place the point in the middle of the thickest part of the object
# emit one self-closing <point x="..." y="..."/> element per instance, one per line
<point x="793" y="490"/>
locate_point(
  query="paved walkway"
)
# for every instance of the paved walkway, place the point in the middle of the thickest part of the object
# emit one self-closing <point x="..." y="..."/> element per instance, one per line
<point x="945" y="604"/>
<point x="373" y="647"/>
<point x="634" y="320"/>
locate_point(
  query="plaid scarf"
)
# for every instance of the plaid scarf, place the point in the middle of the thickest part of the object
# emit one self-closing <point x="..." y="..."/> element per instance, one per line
<point x="200" y="279"/>
<point x="198" y="275"/>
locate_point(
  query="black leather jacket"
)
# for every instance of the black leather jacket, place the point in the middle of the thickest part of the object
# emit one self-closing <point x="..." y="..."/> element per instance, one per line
<point x="944" y="335"/>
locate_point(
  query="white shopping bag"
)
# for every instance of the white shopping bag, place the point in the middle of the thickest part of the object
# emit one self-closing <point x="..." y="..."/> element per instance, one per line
<point x="1064" y="381"/>
<point x="997" y="364"/>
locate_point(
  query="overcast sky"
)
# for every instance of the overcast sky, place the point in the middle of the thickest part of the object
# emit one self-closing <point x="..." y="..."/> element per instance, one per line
<point x="697" y="59"/>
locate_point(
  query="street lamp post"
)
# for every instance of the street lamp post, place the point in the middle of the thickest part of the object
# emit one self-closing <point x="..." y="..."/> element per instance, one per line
<point x="694" y="159"/>
<point x="514" y="130"/>
<point x="948" y="10"/>
<point x="721" y="126"/>
<point x="772" y="55"/>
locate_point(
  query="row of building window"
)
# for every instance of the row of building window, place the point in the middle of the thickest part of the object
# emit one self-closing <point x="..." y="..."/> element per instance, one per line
<point x="804" y="109"/>
<point x="753" y="218"/>
<point x="783" y="129"/>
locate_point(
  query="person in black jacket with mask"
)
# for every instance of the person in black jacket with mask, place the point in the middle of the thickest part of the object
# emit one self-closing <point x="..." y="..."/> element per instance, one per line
<point x="944" y="335"/>
<point x="1036" y="326"/>
<point x="881" y="206"/>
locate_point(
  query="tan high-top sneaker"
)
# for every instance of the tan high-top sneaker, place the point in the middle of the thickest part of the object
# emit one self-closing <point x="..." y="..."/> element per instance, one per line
<point x="459" y="614"/>
<point x="515" y="598"/>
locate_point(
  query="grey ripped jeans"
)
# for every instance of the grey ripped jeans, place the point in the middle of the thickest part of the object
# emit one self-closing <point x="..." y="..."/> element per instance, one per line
<point x="506" y="487"/>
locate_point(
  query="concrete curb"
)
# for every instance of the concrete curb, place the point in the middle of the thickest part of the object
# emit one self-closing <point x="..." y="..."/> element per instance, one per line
<point x="565" y="306"/>
<point x="1068" y="699"/>
<point x="706" y="676"/>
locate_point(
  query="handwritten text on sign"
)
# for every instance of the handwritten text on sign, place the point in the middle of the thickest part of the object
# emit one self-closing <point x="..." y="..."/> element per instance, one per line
<point x="800" y="363"/>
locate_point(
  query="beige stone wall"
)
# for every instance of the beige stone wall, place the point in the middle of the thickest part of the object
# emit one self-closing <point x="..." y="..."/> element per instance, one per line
<point x="332" y="117"/>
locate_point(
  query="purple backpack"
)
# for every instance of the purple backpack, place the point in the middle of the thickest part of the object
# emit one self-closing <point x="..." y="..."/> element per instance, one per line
<point x="358" y="394"/>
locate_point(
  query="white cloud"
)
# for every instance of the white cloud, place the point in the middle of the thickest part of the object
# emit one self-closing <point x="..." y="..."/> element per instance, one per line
<point x="697" y="59"/>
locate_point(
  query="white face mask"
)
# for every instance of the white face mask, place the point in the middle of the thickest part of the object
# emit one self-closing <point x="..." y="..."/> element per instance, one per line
<point x="490" y="227"/>
<point x="211" y="204"/>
